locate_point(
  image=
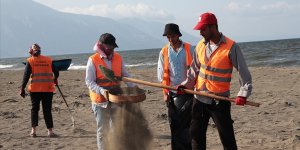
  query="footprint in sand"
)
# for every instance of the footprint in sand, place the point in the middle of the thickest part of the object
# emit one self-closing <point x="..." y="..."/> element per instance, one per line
<point x="7" y="114"/>
<point x="162" y="116"/>
<point x="82" y="131"/>
<point x="77" y="104"/>
<point x="10" y="100"/>
<point x="82" y="96"/>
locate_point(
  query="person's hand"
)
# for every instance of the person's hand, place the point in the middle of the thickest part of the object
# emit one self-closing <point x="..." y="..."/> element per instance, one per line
<point x="166" y="98"/>
<point x="240" y="100"/>
<point x="22" y="93"/>
<point x="106" y="93"/>
<point x="55" y="82"/>
<point x="180" y="89"/>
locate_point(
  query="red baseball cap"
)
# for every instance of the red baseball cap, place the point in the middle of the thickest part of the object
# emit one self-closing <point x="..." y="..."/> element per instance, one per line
<point x="205" y="19"/>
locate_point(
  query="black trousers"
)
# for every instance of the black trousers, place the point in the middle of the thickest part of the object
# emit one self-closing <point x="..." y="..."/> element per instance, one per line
<point x="220" y="114"/>
<point x="46" y="98"/>
<point x="179" y="113"/>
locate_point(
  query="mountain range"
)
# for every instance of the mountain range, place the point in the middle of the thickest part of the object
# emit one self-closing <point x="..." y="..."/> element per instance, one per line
<point x="24" y="22"/>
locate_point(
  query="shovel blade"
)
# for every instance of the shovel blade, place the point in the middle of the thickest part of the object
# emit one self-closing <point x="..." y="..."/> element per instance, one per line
<point x="109" y="74"/>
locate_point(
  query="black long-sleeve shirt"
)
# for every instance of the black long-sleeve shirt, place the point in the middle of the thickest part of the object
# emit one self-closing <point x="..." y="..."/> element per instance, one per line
<point x="27" y="73"/>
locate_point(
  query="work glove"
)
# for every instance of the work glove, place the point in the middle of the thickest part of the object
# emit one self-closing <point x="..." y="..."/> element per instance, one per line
<point x="240" y="100"/>
<point x="180" y="89"/>
<point x="55" y="82"/>
<point x="22" y="93"/>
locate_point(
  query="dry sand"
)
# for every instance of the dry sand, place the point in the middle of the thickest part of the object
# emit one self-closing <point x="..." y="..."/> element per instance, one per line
<point x="274" y="125"/>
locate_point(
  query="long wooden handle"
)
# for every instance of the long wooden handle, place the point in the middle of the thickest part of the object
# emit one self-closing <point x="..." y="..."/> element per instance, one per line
<point x="62" y="95"/>
<point x="126" y="79"/>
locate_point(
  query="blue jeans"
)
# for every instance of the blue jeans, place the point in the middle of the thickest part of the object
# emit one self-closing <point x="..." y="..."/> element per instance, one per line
<point x="103" y="118"/>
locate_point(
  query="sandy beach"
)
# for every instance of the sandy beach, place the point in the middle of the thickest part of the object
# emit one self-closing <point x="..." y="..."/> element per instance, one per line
<point x="275" y="125"/>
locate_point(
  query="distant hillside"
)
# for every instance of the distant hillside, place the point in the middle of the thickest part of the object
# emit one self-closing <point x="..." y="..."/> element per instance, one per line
<point x="24" y="22"/>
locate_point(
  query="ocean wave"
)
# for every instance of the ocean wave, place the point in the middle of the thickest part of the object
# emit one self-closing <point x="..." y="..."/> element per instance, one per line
<point x="83" y="67"/>
<point x="77" y="67"/>
<point x="6" y="66"/>
<point x="141" y="65"/>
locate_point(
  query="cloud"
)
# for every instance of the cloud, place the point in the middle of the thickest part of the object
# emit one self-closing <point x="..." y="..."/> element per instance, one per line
<point x="277" y="6"/>
<point x="94" y="10"/>
<point x="236" y="7"/>
<point x="139" y="10"/>
<point x="260" y="8"/>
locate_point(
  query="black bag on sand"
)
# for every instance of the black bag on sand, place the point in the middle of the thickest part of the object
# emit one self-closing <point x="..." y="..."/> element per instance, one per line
<point x="179" y="113"/>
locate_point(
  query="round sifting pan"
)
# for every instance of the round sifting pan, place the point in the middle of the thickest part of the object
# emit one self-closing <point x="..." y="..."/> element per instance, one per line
<point x="127" y="95"/>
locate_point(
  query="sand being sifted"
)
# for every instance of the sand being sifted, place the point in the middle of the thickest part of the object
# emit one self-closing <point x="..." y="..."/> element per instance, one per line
<point x="130" y="129"/>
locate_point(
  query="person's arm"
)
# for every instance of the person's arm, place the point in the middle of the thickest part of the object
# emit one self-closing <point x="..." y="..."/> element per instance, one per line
<point x="160" y="74"/>
<point x="55" y="72"/>
<point x="26" y="76"/>
<point x="90" y="78"/>
<point x="126" y="74"/>
<point x="192" y="73"/>
<point x="238" y="61"/>
<point x="160" y="67"/>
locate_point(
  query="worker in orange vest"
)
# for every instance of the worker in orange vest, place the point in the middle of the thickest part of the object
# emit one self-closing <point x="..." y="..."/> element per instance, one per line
<point x="99" y="85"/>
<point x="214" y="59"/>
<point x="43" y="77"/>
<point x="174" y="60"/>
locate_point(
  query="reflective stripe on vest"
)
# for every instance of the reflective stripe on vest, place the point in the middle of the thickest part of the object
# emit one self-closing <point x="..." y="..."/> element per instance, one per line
<point x="215" y="72"/>
<point x="116" y="64"/>
<point x="42" y="80"/>
<point x="166" y="75"/>
<point x="214" y="78"/>
<point x="42" y="76"/>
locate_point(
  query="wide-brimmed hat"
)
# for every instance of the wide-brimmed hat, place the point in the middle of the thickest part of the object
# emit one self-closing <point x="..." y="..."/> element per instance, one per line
<point x="171" y="28"/>
<point x="205" y="19"/>
<point x="108" y="39"/>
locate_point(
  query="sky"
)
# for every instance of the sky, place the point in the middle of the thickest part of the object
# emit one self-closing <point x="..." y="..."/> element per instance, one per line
<point x="242" y="20"/>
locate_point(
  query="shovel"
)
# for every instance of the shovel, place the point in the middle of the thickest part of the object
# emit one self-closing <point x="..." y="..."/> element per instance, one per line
<point x="109" y="74"/>
<point x="72" y="118"/>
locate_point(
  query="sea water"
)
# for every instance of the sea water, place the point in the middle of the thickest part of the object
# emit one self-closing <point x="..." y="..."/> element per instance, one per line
<point x="275" y="53"/>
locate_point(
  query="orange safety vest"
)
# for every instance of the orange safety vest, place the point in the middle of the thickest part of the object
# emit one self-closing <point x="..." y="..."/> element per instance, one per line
<point x="215" y="72"/>
<point x="42" y="79"/>
<point x="101" y="80"/>
<point x="166" y="75"/>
